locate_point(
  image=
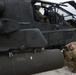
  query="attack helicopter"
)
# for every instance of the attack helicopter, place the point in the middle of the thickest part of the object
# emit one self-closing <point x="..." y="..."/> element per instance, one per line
<point x="28" y="46"/>
<point x="59" y="26"/>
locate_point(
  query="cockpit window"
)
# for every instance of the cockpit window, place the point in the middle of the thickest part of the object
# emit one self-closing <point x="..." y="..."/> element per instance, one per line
<point x="38" y="11"/>
<point x="53" y="13"/>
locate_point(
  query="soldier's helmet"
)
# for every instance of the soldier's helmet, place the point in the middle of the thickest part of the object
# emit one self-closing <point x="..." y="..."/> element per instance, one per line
<point x="37" y="7"/>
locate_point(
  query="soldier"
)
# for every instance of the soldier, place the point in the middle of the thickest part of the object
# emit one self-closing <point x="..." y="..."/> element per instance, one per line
<point x="74" y="59"/>
<point x="70" y="57"/>
<point x="38" y="15"/>
<point x="70" y="23"/>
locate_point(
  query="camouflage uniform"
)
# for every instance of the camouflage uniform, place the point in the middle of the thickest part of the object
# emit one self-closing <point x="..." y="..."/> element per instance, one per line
<point x="38" y="15"/>
<point x="70" y="57"/>
<point x="74" y="60"/>
<point x="42" y="17"/>
<point x="69" y="24"/>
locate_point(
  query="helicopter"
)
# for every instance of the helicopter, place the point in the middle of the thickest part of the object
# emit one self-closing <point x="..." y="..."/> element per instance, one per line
<point x="28" y="46"/>
<point x="59" y="26"/>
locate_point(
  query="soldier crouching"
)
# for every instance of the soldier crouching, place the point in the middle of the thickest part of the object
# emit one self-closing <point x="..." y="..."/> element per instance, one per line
<point x="70" y="57"/>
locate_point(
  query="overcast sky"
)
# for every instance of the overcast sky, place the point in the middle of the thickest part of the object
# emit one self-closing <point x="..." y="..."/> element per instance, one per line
<point x="58" y="1"/>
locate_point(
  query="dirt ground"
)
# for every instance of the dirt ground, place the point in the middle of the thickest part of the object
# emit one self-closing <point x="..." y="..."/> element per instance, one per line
<point x="61" y="71"/>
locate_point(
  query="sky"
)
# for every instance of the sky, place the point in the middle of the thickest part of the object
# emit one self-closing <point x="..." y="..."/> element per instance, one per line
<point x="58" y="1"/>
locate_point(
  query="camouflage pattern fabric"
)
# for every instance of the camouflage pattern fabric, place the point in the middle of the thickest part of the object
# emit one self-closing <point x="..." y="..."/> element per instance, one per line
<point x="42" y="17"/>
<point x="70" y="59"/>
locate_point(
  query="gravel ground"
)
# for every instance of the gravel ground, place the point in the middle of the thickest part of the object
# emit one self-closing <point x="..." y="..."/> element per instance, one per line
<point x="62" y="71"/>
